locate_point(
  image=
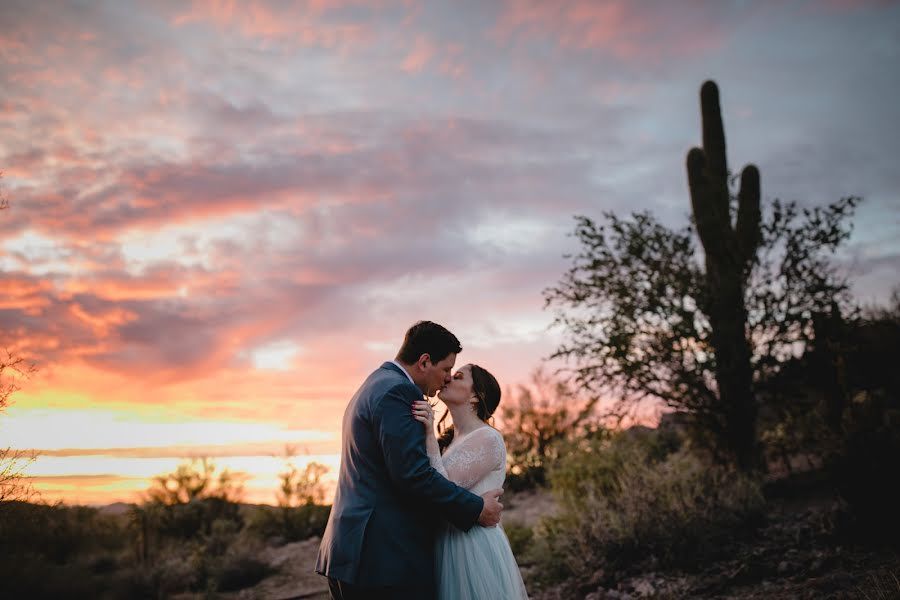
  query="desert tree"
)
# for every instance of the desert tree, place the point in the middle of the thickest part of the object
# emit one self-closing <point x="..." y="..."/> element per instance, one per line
<point x="301" y="486"/>
<point x="647" y="315"/>
<point x="194" y="479"/>
<point x="538" y="418"/>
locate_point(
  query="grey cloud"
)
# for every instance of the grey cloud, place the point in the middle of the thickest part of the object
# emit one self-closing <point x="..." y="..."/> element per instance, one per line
<point x="378" y="176"/>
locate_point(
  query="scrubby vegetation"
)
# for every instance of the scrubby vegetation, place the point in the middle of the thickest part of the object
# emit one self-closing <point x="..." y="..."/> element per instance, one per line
<point x="651" y="512"/>
<point x="191" y="534"/>
<point x="628" y="503"/>
<point x="640" y="515"/>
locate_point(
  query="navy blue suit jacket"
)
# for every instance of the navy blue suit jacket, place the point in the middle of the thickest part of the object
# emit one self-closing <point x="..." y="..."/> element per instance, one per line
<point x="389" y="498"/>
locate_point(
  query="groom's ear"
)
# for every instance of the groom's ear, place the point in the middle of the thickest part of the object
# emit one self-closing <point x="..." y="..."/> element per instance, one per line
<point x="423" y="361"/>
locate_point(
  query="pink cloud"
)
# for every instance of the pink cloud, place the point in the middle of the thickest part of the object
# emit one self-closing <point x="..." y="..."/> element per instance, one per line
<point x="421" y="53"/>
<point x="453" y="63"/>
<point x="300" y="25"/>
<point x="628" y="30"/>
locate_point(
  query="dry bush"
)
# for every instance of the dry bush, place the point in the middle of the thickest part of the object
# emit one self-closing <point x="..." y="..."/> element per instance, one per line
<point x="623" y="507"/>
<point x="240" y="568"/>
<point x="880" y="585"/>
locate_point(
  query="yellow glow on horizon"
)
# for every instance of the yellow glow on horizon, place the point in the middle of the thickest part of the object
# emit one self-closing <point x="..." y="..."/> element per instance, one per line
<point x="147" y="468"/>
<point x="57" y="429"/>
<point x="108" y="479"/>
<point x="80" y="490"/>
<point x="101" y="436"/>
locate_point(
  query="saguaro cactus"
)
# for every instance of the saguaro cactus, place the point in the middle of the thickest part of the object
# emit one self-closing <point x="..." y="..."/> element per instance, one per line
<point x="730" y="251"/>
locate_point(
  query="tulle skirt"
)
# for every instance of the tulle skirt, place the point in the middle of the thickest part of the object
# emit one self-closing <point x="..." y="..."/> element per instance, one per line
<point x="476" y="565"/>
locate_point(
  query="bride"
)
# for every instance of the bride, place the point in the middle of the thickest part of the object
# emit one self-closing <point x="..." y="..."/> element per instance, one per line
<point x="477" y="564"/>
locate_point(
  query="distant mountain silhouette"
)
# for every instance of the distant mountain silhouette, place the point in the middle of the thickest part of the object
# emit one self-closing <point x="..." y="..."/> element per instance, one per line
<point x="116" y="508"/>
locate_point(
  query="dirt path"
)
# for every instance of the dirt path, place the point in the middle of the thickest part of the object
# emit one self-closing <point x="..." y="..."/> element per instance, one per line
<point x="295" y="578"/>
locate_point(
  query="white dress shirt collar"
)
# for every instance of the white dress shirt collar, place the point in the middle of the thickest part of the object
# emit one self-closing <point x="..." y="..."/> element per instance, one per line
<point x="405" y="372"/>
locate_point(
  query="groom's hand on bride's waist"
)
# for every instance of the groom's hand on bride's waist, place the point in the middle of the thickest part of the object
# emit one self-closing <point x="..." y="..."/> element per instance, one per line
<point x="490" y="514"/>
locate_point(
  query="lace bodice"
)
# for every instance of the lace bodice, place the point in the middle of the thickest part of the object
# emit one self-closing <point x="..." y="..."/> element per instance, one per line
<point x="475" y="461"/>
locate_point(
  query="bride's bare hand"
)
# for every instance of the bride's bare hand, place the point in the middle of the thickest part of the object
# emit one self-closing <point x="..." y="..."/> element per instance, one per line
<point x="424" y="413"/>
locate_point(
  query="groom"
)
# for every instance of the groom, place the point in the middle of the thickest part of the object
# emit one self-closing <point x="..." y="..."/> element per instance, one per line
<point x="379" y="542"/>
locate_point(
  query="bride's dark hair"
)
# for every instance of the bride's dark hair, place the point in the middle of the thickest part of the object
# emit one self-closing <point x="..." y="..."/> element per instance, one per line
<point x="487" y="390"/>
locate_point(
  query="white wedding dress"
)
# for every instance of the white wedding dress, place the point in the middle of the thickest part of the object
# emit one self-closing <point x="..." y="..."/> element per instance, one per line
<point x="477" y="564"/>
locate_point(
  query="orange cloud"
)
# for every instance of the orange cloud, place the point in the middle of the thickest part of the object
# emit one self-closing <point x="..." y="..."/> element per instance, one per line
<point x="101" y="322"/>
<point x="25" y="293"/>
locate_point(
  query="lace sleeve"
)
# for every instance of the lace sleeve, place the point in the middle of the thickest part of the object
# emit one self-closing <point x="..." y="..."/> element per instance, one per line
<point x="482" y="452"/>
<point x="434" y="457"/>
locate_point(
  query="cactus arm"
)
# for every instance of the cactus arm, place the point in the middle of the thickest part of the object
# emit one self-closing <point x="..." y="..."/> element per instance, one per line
<point x="713" y="131"/>
<point x="708" y="222"/>
<point x="749" y="216"/>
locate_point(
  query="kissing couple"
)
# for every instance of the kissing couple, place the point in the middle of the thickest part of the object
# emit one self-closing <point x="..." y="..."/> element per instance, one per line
<point x="415" y="517"/>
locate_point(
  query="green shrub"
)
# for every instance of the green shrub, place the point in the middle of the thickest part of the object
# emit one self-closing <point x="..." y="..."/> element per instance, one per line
<point x="288" y="524"/>
<point x="58" y="532"/>
<point x="33" y="576"/>
<point x="160" y="580"/>
<point x="240" y="568"/>
<point x="58" y="551"/>
<point x="520" y="537"/>
<point x="221" y="537"/>
<point x="623" y="502"/>
<point x="187" y="521"/>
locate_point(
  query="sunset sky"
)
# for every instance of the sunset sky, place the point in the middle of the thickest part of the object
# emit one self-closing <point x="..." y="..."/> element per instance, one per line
<point x="223" y="215"/>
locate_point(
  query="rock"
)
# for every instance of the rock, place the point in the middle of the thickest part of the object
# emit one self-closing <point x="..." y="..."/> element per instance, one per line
<point x="644" y="588"/>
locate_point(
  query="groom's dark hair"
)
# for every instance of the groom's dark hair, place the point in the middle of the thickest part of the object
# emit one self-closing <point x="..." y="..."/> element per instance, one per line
<point x="428" y="338"/>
